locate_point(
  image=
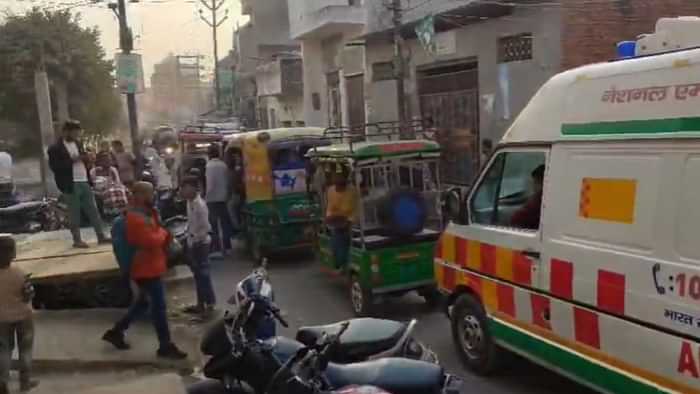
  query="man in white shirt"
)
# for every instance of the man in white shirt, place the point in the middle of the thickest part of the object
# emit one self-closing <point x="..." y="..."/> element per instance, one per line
<point x="5" y="168"/>
<point x="7" y="187"/>
<point x="198" y="244"/>
<point x="67" y="162"/>
<point x="218" y="184"/>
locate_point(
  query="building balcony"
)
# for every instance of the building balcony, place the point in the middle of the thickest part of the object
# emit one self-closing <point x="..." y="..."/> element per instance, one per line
<point x="319" y="19"/>
<point x="280" y="77"/>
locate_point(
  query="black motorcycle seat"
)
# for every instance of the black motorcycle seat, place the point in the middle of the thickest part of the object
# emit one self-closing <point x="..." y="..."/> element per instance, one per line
<point x="363" y="338"/>
<point x="21" y="207"/>
<point x="395" y="375"/>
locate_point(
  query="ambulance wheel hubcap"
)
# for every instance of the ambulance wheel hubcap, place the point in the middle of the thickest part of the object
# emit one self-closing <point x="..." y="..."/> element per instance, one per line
<point x="472" y="336"/>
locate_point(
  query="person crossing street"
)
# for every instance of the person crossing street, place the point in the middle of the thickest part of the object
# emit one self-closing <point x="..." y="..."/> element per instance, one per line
<point x="145" y="232"/>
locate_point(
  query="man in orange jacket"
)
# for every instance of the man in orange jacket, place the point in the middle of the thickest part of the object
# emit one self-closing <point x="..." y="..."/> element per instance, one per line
<point x="145" y="232"/>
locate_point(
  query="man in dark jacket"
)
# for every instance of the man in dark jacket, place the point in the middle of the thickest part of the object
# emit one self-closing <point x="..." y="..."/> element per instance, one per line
<point x="67" y="161"/>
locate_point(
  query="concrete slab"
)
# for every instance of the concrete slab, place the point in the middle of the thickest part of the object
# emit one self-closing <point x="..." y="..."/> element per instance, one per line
<point x="50" y="258"/>
<point x="71" y="339"/>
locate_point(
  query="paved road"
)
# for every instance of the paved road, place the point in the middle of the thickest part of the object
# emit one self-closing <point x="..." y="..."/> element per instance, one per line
<point x="309" y="296"/>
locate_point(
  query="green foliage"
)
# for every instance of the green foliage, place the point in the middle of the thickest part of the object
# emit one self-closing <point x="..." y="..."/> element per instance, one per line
<point x="68" y="53"/>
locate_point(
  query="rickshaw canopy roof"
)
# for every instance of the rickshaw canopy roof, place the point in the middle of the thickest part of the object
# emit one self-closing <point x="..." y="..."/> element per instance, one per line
<point x="277" y="135"/>
<point x="375" y="149"/>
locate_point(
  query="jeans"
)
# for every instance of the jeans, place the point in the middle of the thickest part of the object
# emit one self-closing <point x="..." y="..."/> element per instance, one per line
<point x="340" y="245"/>
<point x="149" y="290"/>
<point x="219" y="215"/>
<point x="83" y="198"/>
<point x="24" y="332"/>
<point x="199" y="264"/>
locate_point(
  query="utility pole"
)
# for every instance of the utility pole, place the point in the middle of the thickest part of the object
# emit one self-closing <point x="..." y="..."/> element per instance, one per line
<point x="43" y="105"/>
<point x="126" y="43"/>
<point x="399" y="65"/>
<point x="214" y="24"/>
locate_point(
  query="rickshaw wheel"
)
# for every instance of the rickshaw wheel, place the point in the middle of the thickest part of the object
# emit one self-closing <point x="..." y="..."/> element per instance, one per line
<point x="360" y="298"/>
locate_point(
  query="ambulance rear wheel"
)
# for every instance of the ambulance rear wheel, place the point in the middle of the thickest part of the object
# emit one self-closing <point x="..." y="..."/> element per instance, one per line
<point x="470" y="332"/>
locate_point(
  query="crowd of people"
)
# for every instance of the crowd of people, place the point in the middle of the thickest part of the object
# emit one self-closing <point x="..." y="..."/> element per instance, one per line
<point x="111" y="175"/>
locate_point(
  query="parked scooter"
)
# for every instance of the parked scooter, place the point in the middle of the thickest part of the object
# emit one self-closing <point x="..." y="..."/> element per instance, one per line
<point x="366" y="339"/>
<point x="32" y="217"/>
<point x="177" y="226"/>
<point x="280" y="365"/>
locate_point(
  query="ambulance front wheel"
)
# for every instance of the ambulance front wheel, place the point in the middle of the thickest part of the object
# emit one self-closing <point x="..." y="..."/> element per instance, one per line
<point x="470" y="332"/>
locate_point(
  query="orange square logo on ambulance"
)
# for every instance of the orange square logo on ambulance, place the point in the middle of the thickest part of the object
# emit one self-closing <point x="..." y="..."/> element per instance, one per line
<point x="608" y="199"/>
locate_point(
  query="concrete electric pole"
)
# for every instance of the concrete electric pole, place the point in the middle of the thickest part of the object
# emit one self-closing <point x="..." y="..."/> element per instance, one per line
<point x="399" y="64"/>
<point x="43" y="105"/>
<point x="214" y="24"/>
<point x="126" y="43"/>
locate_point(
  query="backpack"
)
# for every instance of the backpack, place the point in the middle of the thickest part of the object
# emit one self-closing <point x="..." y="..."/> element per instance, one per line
<point x="123" y="250"/>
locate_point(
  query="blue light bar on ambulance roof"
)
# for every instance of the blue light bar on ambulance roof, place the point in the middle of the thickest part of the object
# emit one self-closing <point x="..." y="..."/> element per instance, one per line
<point x="626" y="49"/>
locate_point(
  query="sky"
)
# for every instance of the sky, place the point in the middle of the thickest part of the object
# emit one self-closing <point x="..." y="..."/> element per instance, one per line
<point x="160" y="27"/>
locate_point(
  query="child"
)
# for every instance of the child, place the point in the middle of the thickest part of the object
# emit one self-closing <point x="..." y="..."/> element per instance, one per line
<point x="16" y="318"/>
<point x="198" y="243"/>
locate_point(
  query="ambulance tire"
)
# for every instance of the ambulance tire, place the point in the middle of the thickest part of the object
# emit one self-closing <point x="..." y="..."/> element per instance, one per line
<point x="470" y="333"/>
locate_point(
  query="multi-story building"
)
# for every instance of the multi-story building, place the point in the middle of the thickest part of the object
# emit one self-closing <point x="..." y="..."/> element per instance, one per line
<point x="264" y="54"/>
<point x="483" y="62"/>
<point x="178" y="95"/>
<point x="487" y="59"/>
<point x="333" y="61"/>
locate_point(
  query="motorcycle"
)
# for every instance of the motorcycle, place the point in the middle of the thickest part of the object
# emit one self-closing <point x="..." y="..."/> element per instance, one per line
<point x="310" y="371"/>
<point x="170" y="204"/>
<point x="32" y="217"/>
<point x="177" y="226"/>
<point x="367" y="338"/>
<point x="250" y="365"/>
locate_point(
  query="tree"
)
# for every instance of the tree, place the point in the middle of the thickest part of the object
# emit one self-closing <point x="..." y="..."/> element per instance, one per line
<point x="82" y="83"/>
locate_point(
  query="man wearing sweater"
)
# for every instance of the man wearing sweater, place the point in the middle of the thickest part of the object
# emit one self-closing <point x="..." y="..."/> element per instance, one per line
<point x="145" y="232"/>
<point x="67" y="162"/>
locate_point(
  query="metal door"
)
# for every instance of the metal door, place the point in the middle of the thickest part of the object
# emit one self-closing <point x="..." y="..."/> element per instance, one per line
<point x="355" y="86"/>
<point x="449" y="96"/>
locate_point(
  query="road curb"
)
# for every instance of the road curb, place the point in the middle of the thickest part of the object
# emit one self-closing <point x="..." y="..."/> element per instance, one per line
<point x="181" y="367"/>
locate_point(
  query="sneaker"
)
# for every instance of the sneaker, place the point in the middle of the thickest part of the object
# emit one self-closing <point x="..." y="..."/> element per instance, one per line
<point x="27" y="385"/>
<point x="172" y="352"/>
<point x="80" y="245"/>
<point x="116" y="338"/>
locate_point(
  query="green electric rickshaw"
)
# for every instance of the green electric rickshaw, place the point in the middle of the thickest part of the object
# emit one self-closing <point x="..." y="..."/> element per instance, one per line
<point x="273" y="204"/>
<point x="398" y="221"/>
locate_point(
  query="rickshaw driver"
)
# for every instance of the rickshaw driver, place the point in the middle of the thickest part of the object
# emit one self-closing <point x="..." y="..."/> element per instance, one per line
<point x="340" y="213"/>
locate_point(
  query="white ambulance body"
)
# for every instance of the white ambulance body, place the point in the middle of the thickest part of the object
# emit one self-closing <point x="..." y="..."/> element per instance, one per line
<point x="597" y="276"/>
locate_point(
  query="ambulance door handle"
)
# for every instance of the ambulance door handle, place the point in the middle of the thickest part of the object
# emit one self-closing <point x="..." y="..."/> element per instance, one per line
<point x="532" y="255"/>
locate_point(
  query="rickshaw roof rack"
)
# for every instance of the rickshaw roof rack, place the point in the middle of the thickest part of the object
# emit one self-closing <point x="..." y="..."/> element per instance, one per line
<point x="280" y="135"/>
<point x="376" y="149"/>
<point x="392" y="131"/>
<point x="387" y="130"/>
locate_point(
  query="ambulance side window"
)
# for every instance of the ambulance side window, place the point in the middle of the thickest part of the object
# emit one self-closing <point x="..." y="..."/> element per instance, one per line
<point x="510" y="193"/>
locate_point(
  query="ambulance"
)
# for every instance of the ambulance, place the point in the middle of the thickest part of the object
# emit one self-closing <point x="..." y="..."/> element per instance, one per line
<point x="578" y="246"/>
